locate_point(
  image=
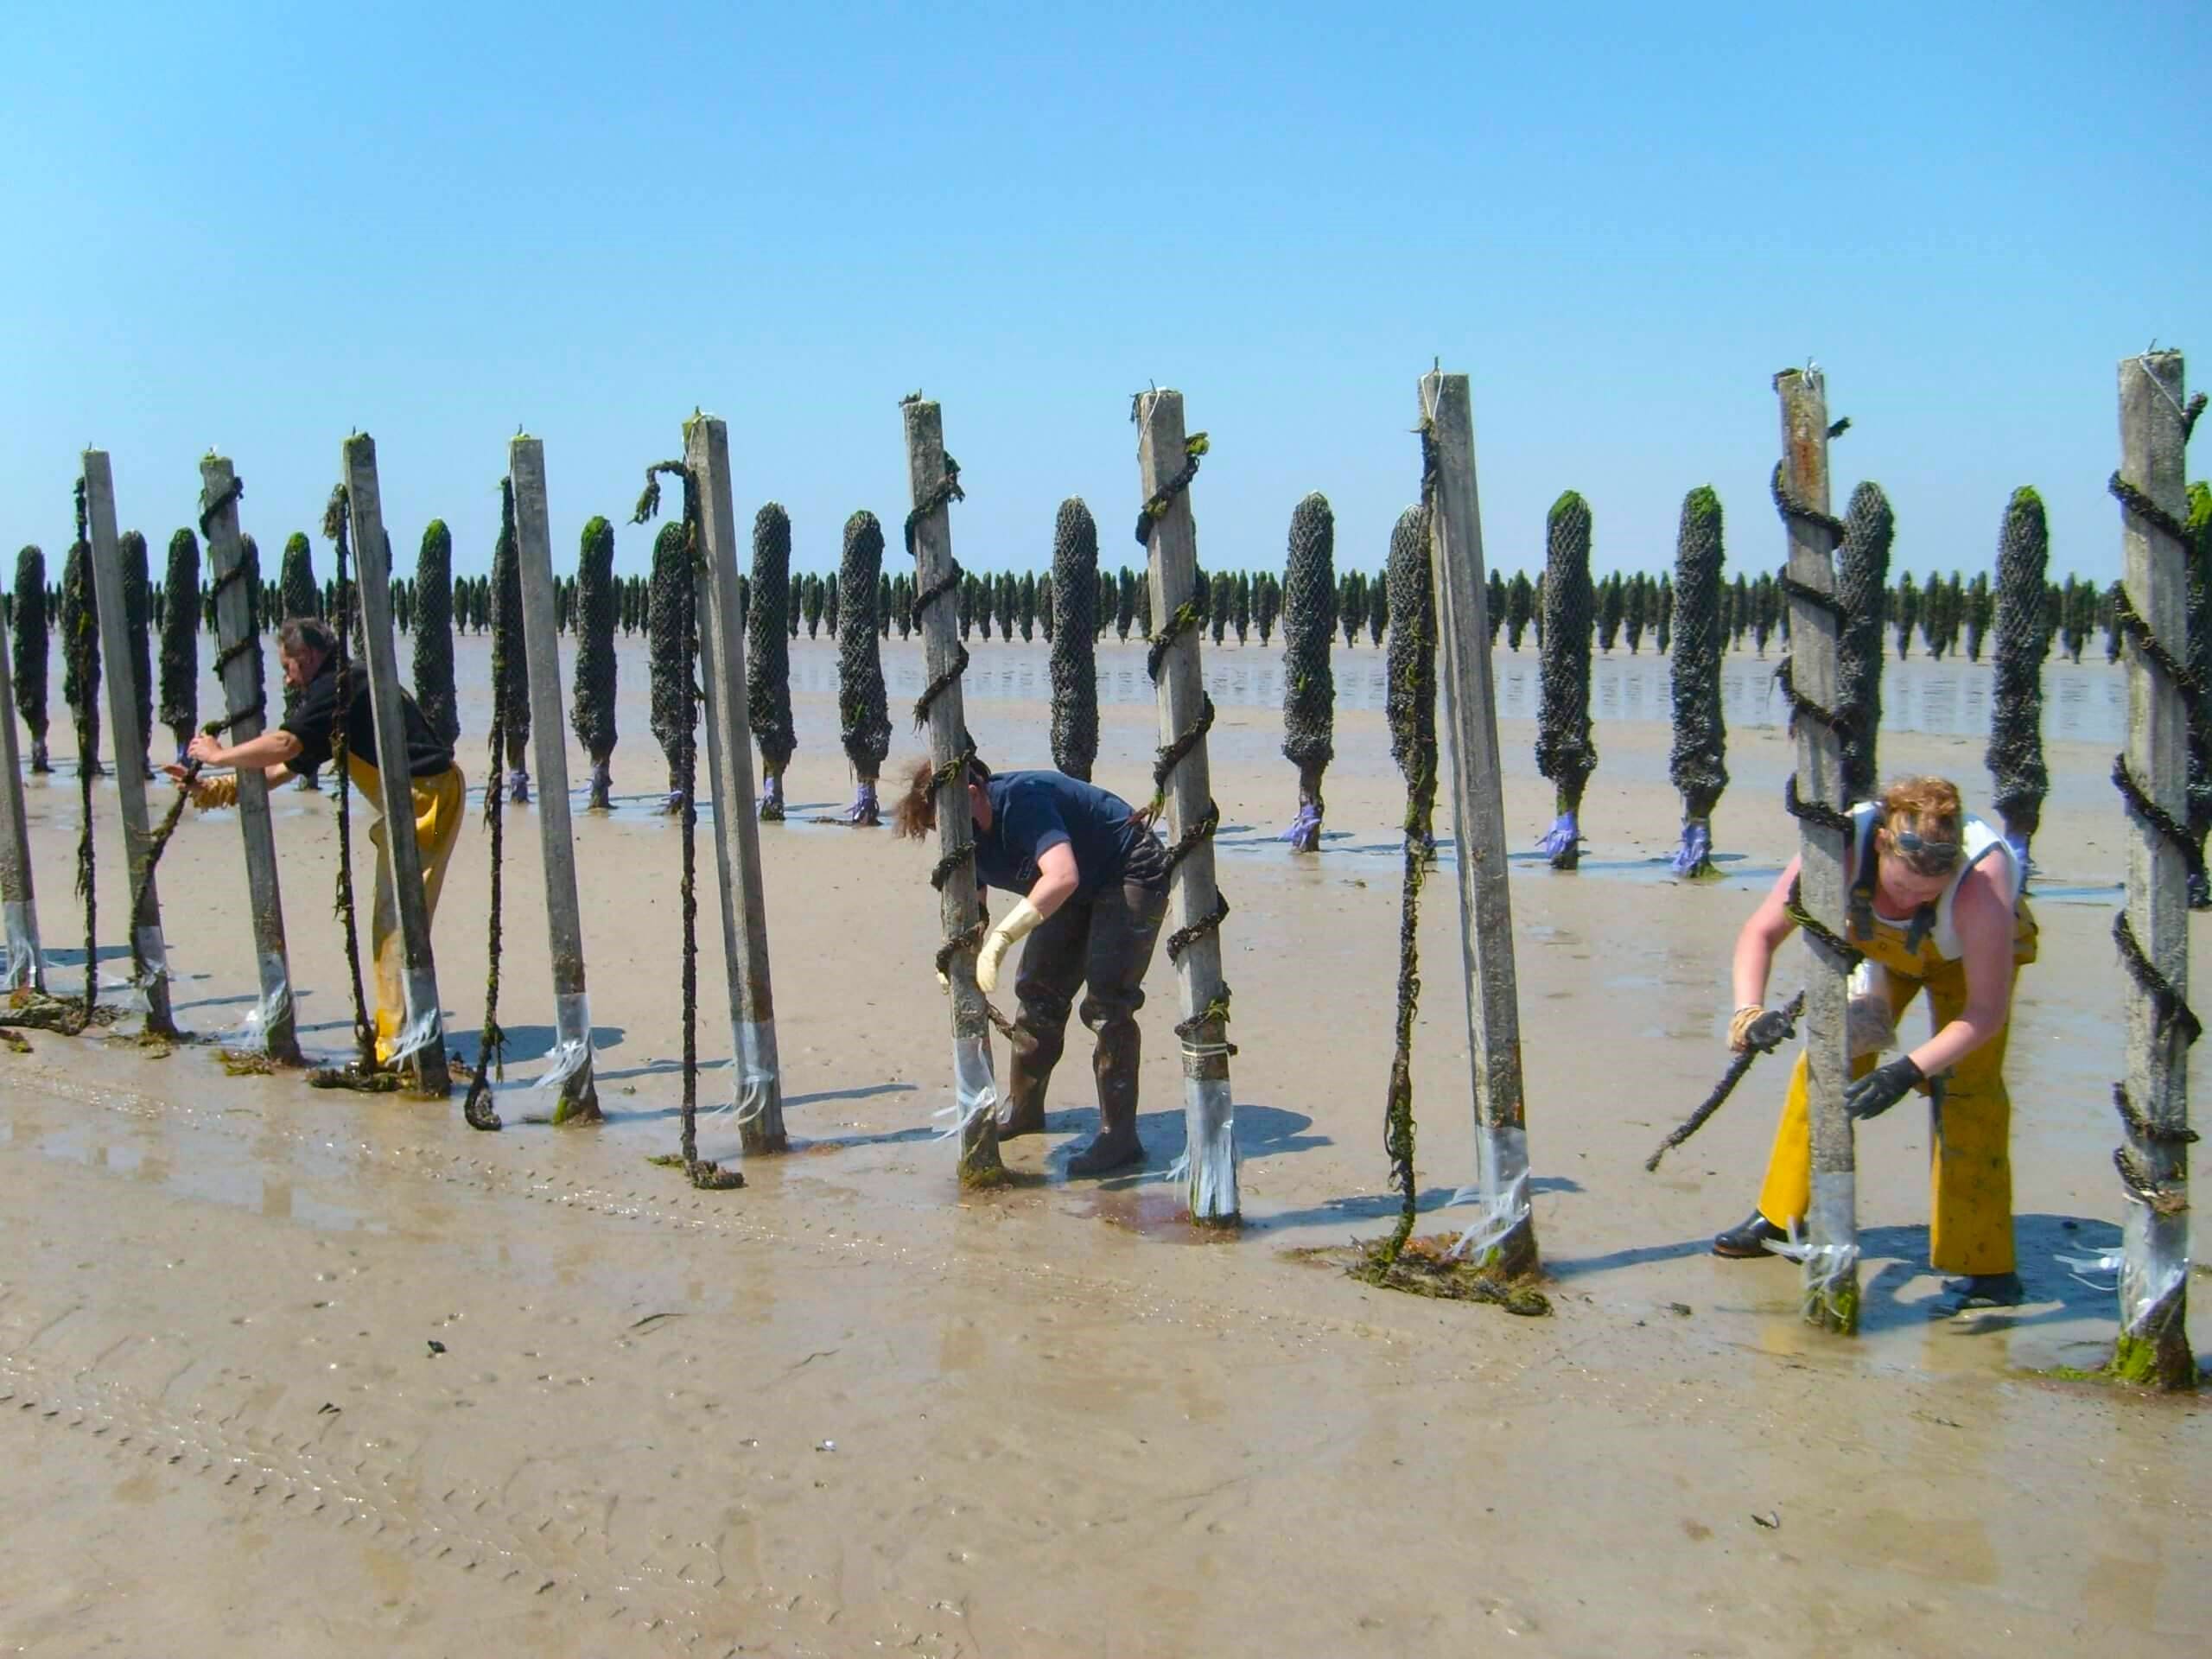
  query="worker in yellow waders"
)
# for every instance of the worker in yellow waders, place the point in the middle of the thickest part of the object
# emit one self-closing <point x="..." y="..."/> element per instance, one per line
<point x="308" y="651"/>
<point x="1934" y="904"/>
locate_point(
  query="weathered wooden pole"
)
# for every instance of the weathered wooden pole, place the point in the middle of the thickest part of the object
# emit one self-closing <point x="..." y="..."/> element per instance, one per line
<point x="1164" y="454"/>
<point x="569" y="1068"/>
<point x="1505" y="1234"/>
<point x="755" y="1068"/>
<point x="1832" y="1245"/>
<point x="25" y="969"/>
<point x="2153" y="1346"/>
<point x="150" y="958"/>
<point x="933" y="480"/>
<point x="237" y="655"/>
<point x="422" y="1036"/>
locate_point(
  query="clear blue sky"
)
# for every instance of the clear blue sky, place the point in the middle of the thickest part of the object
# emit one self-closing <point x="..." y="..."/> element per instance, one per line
<point x="261" y="227"/>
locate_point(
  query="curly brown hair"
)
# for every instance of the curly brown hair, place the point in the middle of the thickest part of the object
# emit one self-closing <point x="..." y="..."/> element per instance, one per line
<point x="914" y="815"/>
<point x="1928" y="804"/>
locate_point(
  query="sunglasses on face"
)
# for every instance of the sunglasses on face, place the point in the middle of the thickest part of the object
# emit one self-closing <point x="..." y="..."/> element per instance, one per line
<point x="1928" y="857"/>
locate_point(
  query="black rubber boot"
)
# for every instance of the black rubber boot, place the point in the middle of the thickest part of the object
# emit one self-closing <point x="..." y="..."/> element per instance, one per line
<point x="1983" y="1290"/>
<point x="1025" y="1093"/>
<point x="1748" y="1238"/>
<point x="1117" y="1147"/>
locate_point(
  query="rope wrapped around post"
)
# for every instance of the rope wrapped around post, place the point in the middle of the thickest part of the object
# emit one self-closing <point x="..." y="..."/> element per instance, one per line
<point x="2173" y="1018"/>
<point x="32" y="1009"/>
<point x="365" y="1074"/>
<point x="1187" y="618"/>
<point x="702" y="1173"/>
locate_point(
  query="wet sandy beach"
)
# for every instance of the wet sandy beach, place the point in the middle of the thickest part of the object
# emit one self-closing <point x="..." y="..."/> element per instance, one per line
<point x="846" y="1410"/>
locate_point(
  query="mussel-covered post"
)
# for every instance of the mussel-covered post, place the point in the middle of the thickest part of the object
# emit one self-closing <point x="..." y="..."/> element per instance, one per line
<point x="571" y="1058"/>
<point x="933" y="480"/>
<point x="149" y="958"/>
<point x="2153" y="1344"/>
<point x="760" y="1090"/>
<point x="1802" y="485"/>
<point x="424" y="1029"/>
<point x="25" y="969"/>
<point x="1506" y="1231"/>
<point x="231" y="579"/>
<point x="1164" y="454"/>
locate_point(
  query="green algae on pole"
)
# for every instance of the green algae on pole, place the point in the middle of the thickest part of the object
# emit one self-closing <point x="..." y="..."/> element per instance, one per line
<point x="1565" y="754"/>
<point x="1309" y="626"/>
<point x="1699" y="764"/>
<point x="181" y="639"/>
<point x="592" y="710"/>
<point x="768" y="655"/>
<point x="433" y="633"/>
<point x="24" y="968"/>
<point x="865" y="723"/>
<point x="2015" y="752"/>
<point x="1074" y="657"/>
<point x="1862" y="576"/>
<point x="675" y="706"/>
<point x="511" y="684"/>
<point x="27" y="660"/>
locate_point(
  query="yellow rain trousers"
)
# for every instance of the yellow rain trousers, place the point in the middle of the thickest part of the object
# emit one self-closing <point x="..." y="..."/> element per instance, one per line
<point x="1970" y="1159"/>
<point x="439" y="805"/>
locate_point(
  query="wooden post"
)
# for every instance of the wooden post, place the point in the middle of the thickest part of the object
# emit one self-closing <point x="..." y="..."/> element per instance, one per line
<point x="1832" y="1252"/>
<point x="757" y="1074"/>
<point x="242" y="686"/>
<point x="570" y="1068"/>
<point x="974" y="1091"/>
<point x="424" y="1030"/>
<point x="125" y="738"/>
<point x="1506" y="1231"/>
<point x="1209" y="1118"/>
<point x="25" y="969"/>
<point x="2153" y="1344"/>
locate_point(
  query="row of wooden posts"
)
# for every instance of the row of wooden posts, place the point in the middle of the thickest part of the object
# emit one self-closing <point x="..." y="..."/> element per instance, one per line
<point x="2153" y="432"/>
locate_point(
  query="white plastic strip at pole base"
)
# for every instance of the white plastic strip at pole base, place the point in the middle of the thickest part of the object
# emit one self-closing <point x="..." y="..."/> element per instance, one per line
<point x="2161" y="1244"/>
<point x="21" y="921"/>
<point x="1829" y="1247"/>
<point x="753" y="1068"/>
<point x="1502" y="1191"/>
<point x="275" y="1000"/>
<point x="424" y="1025"/>
<point x="571" y="1040"/>
<point x="1210" y="1159"/>
<point x="974" y="1090"/>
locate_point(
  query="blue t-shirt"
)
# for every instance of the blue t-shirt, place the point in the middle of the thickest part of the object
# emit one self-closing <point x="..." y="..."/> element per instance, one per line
<point x="1032" y="811"/>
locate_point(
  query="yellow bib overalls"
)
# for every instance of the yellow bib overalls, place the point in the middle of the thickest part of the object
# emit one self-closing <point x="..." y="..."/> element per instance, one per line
<point x="1970" y="1162"/>
<point x="438" y="805"/>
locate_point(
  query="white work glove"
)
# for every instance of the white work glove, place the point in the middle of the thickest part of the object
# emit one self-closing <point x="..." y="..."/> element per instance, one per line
<point x="1019" y="923"/>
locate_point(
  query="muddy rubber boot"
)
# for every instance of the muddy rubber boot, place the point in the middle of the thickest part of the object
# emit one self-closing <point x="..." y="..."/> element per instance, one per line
<point x="1748" y="1238"/>
<point x="1117" y="1145"/>
<point x="1982" y="1290"/>
<point x="1024" y="1097"/>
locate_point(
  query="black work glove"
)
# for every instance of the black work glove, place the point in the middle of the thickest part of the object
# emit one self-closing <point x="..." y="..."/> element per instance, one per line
<point x="1769" y="1032"/>
<point x="1882" y="1087"/>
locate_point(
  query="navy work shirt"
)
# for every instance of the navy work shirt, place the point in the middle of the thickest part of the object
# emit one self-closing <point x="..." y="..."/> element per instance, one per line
<point x="1032" y="811"/>
<point x="315" y="721"/>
